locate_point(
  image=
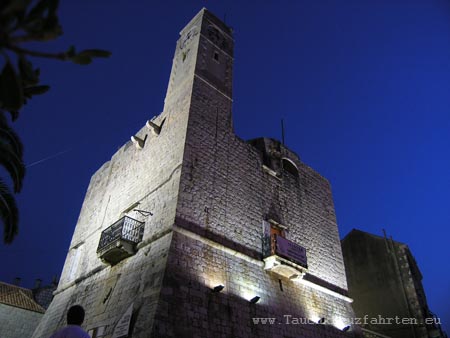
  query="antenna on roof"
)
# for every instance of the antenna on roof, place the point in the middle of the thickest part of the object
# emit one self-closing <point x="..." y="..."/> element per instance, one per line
<point x="282" y="131"/>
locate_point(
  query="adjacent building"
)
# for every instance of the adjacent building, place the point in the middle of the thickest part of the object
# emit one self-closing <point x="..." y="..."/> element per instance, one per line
<point x="43" y="294"/>
<point x="386" y="284"/>
<point x="190" y="231"/>
<point x="19" y="312"/>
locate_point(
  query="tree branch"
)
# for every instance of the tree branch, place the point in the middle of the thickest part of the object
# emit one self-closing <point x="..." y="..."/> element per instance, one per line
<point x="59" y="56"/>
<point x="23" y="38"/>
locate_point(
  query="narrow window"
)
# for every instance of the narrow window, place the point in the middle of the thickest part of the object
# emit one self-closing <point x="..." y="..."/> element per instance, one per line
<point x="216" y="56"/>
<point x="275" y="231"/>
<point x="75" y="262"/>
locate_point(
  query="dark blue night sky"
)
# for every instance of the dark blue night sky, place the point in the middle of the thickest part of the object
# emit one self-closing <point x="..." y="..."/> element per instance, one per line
<point x="363" y="88"/>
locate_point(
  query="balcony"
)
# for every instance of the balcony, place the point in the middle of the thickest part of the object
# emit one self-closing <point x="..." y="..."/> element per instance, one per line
<point x="285" y="258"/>
<point x="119" y="241"/>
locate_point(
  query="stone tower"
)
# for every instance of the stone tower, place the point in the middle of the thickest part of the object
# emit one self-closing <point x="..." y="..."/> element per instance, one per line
<point x="189" y="231"/>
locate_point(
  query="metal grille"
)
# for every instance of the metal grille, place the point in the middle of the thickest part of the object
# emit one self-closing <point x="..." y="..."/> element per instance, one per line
<point x="126" y="228"/>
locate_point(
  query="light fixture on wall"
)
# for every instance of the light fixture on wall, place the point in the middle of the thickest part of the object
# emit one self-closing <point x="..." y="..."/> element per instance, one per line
<point x="218" y="288"/>
<point x="144" y="212"/>
<point x="345" y="329"/>
<point x="321" y="320"/>
<point x="255" y="300"/>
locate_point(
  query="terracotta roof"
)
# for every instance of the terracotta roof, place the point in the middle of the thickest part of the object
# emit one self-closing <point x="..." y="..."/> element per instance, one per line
<point x="18" y="297"/>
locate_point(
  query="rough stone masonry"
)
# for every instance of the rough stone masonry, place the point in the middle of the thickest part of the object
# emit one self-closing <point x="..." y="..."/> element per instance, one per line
<point x="221" y="208"/>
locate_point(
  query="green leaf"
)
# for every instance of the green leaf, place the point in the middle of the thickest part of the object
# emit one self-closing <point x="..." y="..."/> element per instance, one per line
<point x="97" y="53"/>
<point x="53" y="6"/>
<point x="42" y="21"/>
<point x="34" y="26"/>
<point x="9" y="213"/>
<point x="14" y="7"/>
<point x="49" y="34"/>
<point x="41" y="8"/>
<point x="81" y="59"/>
<point x="38" y="10"/>
<point x="12" y="14"/>
<point x="44" y="29"/>
<point x="35" y="90"/>
<point x="11" y="91"/>
<point x="28" y="75"/>
<point x="51" y="25"/>
<point x="9" y="136"/>
<point x="13" y="164"/>
<point x="14" y="114"/>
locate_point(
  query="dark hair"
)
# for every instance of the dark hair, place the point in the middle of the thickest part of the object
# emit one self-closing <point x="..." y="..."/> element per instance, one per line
<point x="75" y="315"/>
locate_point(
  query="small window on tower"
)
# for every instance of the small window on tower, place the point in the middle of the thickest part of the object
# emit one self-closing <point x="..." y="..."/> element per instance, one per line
<point x="290" y="167"/>
<point x="216" y="56"/>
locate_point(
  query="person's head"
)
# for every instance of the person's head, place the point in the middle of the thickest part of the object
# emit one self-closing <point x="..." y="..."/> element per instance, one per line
<point x="75" y="315"/>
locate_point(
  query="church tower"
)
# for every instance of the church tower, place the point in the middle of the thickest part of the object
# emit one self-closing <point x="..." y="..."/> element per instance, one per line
<point x="190" y="231"/>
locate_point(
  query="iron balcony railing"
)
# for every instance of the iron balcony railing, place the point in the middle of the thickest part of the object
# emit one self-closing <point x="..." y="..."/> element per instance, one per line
<point x="125" y="229"/>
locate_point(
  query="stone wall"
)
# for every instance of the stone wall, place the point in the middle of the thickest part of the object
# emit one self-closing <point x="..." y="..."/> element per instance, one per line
<point x="225" y="195"/>
<point x="225" y="190"/>
<point x="189" y="308"/>
<point x="16" y="322"/>
<point x="150" y="177"/>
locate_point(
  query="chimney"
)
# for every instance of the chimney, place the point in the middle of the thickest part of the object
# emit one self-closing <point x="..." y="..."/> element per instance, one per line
<point x="17" y="281"/>
<point x="37" y="283"/>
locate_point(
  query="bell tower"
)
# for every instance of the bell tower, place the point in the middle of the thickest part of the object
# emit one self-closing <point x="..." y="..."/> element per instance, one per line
<point x="203" y="57"/>
<point x="204" y="51"/>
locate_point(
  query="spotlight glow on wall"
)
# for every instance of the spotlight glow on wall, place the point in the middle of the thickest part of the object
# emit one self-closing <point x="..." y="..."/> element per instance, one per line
<point x="340" y="324"/>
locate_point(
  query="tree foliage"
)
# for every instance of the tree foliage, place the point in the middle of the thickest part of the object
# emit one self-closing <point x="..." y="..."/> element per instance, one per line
<point x="22" y="22"/>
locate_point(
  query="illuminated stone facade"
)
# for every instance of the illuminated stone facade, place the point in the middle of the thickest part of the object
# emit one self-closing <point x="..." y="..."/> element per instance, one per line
<point x="217" y="205"/>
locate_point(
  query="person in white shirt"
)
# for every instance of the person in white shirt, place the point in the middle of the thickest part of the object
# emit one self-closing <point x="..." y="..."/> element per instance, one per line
<point x="75" y="317"/>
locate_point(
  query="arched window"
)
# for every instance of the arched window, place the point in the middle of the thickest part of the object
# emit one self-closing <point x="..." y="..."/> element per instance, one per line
<point x="289" y="166"/>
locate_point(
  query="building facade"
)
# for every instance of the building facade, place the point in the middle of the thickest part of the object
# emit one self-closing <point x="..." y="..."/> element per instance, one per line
<point x="190" y="231"/>
<point x="386" y="284"/>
